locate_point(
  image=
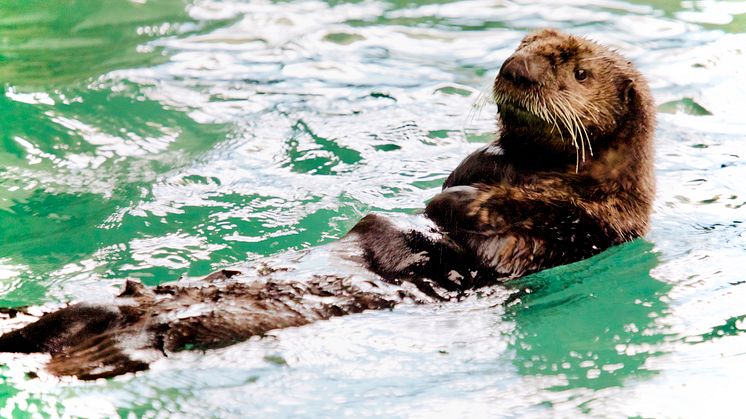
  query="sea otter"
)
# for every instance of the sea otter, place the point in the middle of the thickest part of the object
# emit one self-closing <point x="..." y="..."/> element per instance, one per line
<point x="569" y="175"/>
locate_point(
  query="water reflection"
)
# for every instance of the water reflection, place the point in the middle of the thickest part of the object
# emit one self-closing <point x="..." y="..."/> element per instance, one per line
<point x="71" y="178"/>
<point x="594" y="323"/>
<point x="310" y="153"/>
<point x="46" y="45"/>
<point x="79" y="146"/>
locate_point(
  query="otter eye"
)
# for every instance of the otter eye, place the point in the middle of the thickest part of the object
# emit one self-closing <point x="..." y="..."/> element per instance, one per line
<point x="581" y="74"/>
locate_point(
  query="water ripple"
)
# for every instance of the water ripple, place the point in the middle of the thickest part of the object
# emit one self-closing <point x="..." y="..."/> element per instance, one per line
<point x="169" y="138"/>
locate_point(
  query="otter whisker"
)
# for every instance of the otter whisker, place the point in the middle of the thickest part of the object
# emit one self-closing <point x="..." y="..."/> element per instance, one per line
<point x="571" y="123"/>
<point x="582" y="134"/>
<point x="579" y="151"/>
<point x="552" y="118"/>
<point x="580" y="127"/>
<point x="588" y="109"/>
<point x="585" y="131"/>
<point x="576" y="133"/>
<point x="479" y="103"/>
<point x="562" y="113"/>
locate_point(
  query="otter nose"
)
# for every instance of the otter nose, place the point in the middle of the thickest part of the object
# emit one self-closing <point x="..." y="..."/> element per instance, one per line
<point x="523" y="69"/>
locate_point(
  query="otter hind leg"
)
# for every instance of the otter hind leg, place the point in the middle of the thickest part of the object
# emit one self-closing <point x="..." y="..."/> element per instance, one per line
<point x="100" y="356"/>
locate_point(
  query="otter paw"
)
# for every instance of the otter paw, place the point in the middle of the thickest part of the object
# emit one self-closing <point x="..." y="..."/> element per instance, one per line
<point x="452" y="208"/>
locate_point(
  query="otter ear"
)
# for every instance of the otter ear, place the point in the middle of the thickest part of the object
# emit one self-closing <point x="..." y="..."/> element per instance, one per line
<point x="628" y="91"/>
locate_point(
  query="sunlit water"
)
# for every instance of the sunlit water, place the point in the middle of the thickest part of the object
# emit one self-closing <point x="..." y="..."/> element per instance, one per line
<point x="154" y="139"/>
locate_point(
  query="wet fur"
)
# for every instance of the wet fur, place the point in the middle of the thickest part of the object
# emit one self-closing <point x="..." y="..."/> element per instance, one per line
<point x="535" y="198"/>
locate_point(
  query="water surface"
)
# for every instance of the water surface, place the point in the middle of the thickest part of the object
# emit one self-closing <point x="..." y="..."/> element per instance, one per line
<point x="155" y="139"/>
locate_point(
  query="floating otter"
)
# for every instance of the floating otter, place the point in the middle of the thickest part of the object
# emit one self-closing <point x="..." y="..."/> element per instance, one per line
<point x="569" y="175"/>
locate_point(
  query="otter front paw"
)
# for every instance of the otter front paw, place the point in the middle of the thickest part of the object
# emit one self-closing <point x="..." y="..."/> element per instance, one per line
<point x="453" y="208"/>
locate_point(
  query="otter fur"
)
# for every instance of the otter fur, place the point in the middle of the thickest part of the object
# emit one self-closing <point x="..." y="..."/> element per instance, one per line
<point x="570" y="174"/>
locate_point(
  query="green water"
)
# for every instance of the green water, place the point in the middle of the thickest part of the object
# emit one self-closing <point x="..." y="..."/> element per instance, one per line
<point x="155" y="139"/>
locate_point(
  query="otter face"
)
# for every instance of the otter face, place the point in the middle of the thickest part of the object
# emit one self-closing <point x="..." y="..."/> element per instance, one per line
<point x="565" y="89"/>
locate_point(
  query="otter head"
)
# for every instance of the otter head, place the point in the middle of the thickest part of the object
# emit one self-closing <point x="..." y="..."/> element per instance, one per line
<point x="564" y="96"/>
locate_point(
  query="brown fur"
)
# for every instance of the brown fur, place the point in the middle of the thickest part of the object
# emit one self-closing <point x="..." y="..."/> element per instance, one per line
<point x="544" y="199"/>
